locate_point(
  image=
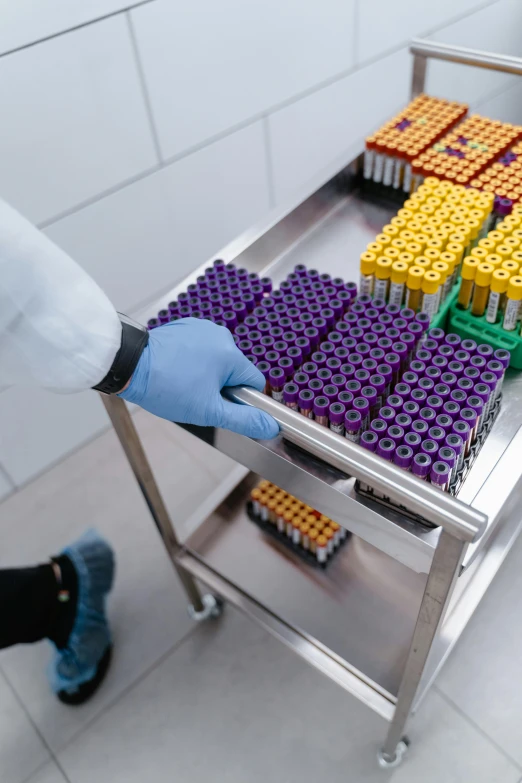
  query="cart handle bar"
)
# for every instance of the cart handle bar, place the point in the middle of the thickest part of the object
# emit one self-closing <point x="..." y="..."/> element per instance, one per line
<point x="422" y="50"/>
<point x="460" y="54"/>
<point x="439" y="508"/>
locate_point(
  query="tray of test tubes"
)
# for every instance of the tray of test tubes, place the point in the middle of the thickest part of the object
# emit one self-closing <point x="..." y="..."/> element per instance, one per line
<point x="370" y="371"/>
<point x="313" y="536"/>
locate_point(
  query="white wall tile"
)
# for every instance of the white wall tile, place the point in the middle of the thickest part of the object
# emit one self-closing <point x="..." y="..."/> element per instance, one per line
<point x="25" y="21"/>
<point x="310" y="134"/>
<point x="210" y="66"/>
<point x="384" y="25"/>
<point x="38" y="428"/>
<point x="506" y="106"/>
<point x="73" y="119"/>
<point x="5" y="485"/>
<point x="495" y="28"/>
<point x="144" y="238"/>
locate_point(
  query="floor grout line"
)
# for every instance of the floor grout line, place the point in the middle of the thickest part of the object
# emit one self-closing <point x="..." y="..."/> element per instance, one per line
<point x="35" y="727"/>
<point x="112" y="703"/>
<point x="449" y="701"/>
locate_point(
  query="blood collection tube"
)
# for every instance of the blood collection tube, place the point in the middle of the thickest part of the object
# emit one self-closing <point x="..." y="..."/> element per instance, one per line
<point x="369" y="440"/>
<point x="497" y="294"/>
<point x="514" y="297"/>
<point x="481" y="290"/>
<point x="421" y="465"/>
<point x="403" y="420"/>
<point x="430" y="293"/>
<point x="396" y="433"/>
<point x="413" y="287"/>
<point x="336" y="414"/>
<point x="403" y="456"/>
<point x="411" y="409"/>
<point x="388" y="414"/>
<point x="497" y="368"/>
<point x="413" y="440"/>
<point x="290" y="395"/>
<point x="346" y="397"/>
<point x="380" y="427"/>
<point x="305" y="401"/>
<point x="386" y="449"/>
<point x="455" y="442"/>
<point x="383" y="267"/>
<point x="353" y="426"/>
<point x="440" y="475"/>
<point x="398" y="277"/>
<point x="462" y="428"/>
<point x="467" y="273"/>
<point x="396" y="402"/>
<point x="277" y="381"/>
<point x="320" y="408"/>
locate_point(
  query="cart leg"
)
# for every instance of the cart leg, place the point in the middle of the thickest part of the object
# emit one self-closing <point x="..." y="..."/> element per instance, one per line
<point x="443" y="573"/>
<point x="200" y="607"/>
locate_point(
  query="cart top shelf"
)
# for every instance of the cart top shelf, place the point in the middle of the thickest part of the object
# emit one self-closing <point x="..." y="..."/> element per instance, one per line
<point x="329" y="231"/>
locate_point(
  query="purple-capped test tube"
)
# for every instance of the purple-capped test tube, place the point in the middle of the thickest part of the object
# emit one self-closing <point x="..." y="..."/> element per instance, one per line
<point x="413" y="440"/>
<point x="277" y="380"/>
<point x="353" y="425"/>
<point x="440" y="475"/>
<point x="404" y="420"/>
<point x="396" y="433"/>
<point x="403" y="456"/>
<point x="369" y="440"/>
<point x="455" y="442"/>
<point x="421" y="465"/>
<point x="336" y="415"/>
<point x="305" y="401"/>
<point x="386" y="448"/>
<point x="380" y="427"/>
<point x="411" y="409"/>
<point x="290" y="395"/>
<point x="388" y="414"/>
<point x="449" y="456"/>
<point x="321" y="405"/>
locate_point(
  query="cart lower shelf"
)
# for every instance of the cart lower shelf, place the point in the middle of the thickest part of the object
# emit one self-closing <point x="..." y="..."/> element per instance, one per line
<point x="363" y="607"/>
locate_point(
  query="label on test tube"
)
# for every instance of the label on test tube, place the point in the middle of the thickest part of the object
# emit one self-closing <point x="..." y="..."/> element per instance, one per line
<point x="321" y="405"/>
<point x="306" y="403"/>
<point x="336" y="414"/>
<point x="440" y="475"/>
<point x="352" y="426"/>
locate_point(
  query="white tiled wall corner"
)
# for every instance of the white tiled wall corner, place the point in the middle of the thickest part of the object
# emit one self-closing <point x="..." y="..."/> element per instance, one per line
<point x="210" y="66"/>
<point x="38" y="428"/>
<point x="5" y="485"/>
<point x="495" y="28"/>
<point x="25" y="21"/>
<point x="144" y="238"/>
<point x="73" y="119"/>
<point x="383" y="24"/>
<point x="307" y="135"/>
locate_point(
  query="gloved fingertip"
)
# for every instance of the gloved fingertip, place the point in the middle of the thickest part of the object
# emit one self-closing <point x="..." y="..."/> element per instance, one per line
<point x="267" y="426"/>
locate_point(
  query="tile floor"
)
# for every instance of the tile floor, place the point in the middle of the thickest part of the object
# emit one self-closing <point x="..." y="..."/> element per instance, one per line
<point x="225" y="701"/>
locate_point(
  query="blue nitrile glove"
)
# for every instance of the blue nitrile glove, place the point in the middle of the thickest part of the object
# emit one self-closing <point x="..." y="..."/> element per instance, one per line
<point x="182" y="370"/>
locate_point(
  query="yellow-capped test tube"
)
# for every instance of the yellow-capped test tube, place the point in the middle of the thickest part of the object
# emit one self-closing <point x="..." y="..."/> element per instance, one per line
<point x="367" y="273"/>
<point x="481" y="289"/>
<point x="497" y="294"/>
<point x="467" y="273"/>
<point x="430" y="287"/>
<point x="513" y="299"/>
<point x="398" y="276"/>
<point x="383" y="267"/>
<point x="413" y="287"/>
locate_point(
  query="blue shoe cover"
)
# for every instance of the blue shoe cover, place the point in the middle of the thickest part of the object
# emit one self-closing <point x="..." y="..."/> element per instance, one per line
<point x="93" y="560"/>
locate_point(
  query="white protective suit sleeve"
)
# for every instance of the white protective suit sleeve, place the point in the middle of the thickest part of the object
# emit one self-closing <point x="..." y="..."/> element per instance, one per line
<point x="57" y="328"/>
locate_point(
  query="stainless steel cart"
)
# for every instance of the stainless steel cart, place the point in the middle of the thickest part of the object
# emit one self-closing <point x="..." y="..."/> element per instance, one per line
<point x="384" y="616"/>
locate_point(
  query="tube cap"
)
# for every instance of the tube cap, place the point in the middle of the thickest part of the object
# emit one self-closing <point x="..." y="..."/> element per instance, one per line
<point x="383" y="267"/>
<point x="483" y="274"/>
<point x="431" y="282"/>
<point x="399" y="272"/>
<point x="469" y="268"/>
<point x="499" y="281"/>
<point x="414" y="280"/>
<point x="514" y="290"/>
<point x="443" y="270"/>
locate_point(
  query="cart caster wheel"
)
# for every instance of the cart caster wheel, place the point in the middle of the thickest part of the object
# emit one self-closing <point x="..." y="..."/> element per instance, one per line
<point x="212" y="609"/>
<point x="390" y="762"/>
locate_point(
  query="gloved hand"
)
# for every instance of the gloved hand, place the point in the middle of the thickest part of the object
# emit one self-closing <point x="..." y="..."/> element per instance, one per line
<point x="182" y="370"/>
